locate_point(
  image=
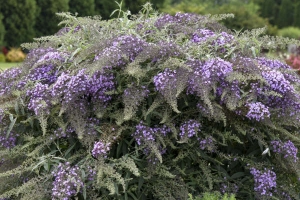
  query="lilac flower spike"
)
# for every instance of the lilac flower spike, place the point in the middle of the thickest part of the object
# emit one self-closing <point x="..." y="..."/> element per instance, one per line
<point x="189" y="128"/>
<point x="257" y="111"/>
<point x="264" y="182"/>
<point x="287" y="149"/>
<point x="101" y="149"/>
<point x="67" y="181"/>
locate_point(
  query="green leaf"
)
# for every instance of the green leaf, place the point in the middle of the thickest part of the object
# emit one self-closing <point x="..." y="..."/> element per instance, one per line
<point x="237" y="175"/>
<point x="11" y="125"/>
<point x="141" y="182"/>
<point x="69" y="149"/>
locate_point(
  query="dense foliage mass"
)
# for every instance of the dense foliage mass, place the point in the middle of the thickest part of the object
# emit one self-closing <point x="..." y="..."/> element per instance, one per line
<point x="151" y="106"/>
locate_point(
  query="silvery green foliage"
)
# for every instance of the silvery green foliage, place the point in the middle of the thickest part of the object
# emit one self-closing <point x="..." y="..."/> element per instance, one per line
<point x="151" y="106"/>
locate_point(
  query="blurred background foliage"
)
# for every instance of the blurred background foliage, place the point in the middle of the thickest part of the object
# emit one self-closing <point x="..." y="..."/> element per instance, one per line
<point x="23" y="20"/>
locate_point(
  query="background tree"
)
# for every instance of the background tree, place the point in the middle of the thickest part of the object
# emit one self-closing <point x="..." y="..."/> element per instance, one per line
<point x="268" y="9"/>
<point x="19" y="19"/>
<point x="2" y="30"/>
<point x="285" y="16"/>
<point x="104" y="8"/>
<point x="297" y="15"/>
<point x="83" y="8"/>
<point x="46" y="22"/>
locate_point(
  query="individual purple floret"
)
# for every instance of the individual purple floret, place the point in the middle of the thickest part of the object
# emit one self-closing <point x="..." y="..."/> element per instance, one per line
<point x="257" y="111"/>
<point x="189" y="128"/>
<point x="101" y="149"/>
<point x="264" y="182"/>
<point x="67" y="181"/>
<point x="287" y="149"/>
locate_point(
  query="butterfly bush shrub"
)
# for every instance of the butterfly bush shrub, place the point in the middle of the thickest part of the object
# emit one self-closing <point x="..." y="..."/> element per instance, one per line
<point x="151" y="106"/>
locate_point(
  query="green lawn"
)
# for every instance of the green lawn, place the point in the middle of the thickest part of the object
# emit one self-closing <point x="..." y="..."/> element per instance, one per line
<point x="5" y="65"/>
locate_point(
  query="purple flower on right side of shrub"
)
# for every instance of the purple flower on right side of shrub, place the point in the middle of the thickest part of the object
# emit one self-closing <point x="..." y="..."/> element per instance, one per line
<point x="264" y="181"/>
<point x="287" y="149"/>
<point x="257" y="111"/>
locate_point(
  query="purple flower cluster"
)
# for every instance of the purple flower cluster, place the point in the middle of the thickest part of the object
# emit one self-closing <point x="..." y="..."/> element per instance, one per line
<point x="46" y="74"/>
<point x="8" y="142"/>
<point x="264" y="182"/>
<point x="178" y="19"/>
<point x="59" y="133"/>
<point x="7" y="80"/>
<point x="207" y="144"/>
<point x="287" y="149"/>
<point x="76" y="88"/>
<point x="204" y="35"/>
<point x="144" y="133"/>
<point x="273" y="64"/>
<point x="91" y="125"/>
<point x="126" y="45"/>
<point x="52" y="56"/>
<point x="165" y="81"/>
<point x="91" y="173"/>
<point x="229" y="188"/>
<point x="277" y="81"/>
<point x="42" y="64"/>
<point x="35" y="54"/>
<point x="67" y="181"/>
<point x="166" y="50"/>
<point x="207" y="73"/>
<point x="101" y="149"/>
<point x="99" y="84"/>
<point x="189" y="128"/>
<point x="257" y="111"/>
<point x="39" y="99"/>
